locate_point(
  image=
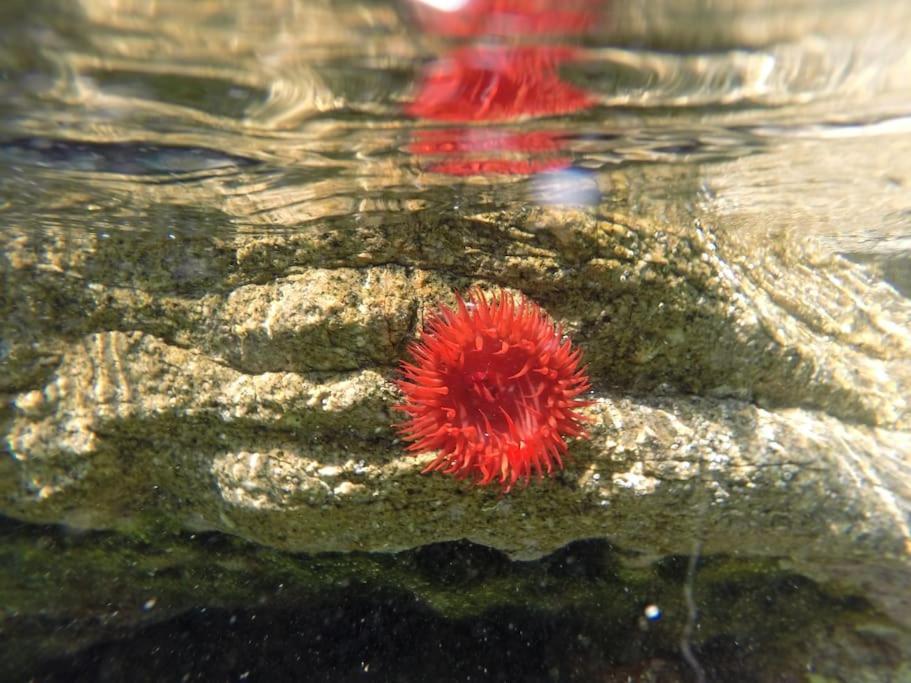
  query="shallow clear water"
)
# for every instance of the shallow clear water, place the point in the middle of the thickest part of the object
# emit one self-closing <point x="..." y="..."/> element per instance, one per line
<point x="181" y="119"/>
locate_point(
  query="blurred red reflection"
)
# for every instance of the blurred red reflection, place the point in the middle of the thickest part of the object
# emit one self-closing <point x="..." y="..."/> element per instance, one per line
<point x="467" y="151"/>
<point x="497" y="83"/>
<point x="465" y="140"/>
<point x="467" y="167"/>
<point x="491" y="83"/>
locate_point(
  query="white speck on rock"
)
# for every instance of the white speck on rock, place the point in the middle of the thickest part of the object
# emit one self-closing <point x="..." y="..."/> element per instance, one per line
<point x="635" y="480"/>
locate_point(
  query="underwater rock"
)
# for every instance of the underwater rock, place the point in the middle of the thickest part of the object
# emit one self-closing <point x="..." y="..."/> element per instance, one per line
<point x="748" y="395"/>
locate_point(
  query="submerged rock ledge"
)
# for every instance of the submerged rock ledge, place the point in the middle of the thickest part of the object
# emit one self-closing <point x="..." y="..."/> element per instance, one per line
<point x="750" y="398"/>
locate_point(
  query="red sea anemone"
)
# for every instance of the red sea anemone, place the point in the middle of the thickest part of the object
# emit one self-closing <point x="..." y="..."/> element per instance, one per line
<point x="494" y="390"/>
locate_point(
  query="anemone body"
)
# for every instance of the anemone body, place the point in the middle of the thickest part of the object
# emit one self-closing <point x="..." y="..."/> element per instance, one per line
<point x="493" y="388"/>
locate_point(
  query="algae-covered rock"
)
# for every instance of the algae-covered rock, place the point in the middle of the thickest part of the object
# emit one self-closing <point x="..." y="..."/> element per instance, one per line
<point x="748" y="397"/>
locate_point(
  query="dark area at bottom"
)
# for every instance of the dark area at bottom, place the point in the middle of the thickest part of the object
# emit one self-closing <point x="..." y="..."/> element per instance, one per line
<point x="100" y="606"/>
<point x="383" y="638"/>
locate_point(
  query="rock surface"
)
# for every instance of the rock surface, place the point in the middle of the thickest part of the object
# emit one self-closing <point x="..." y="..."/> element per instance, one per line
<point x="748" y="396"/>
